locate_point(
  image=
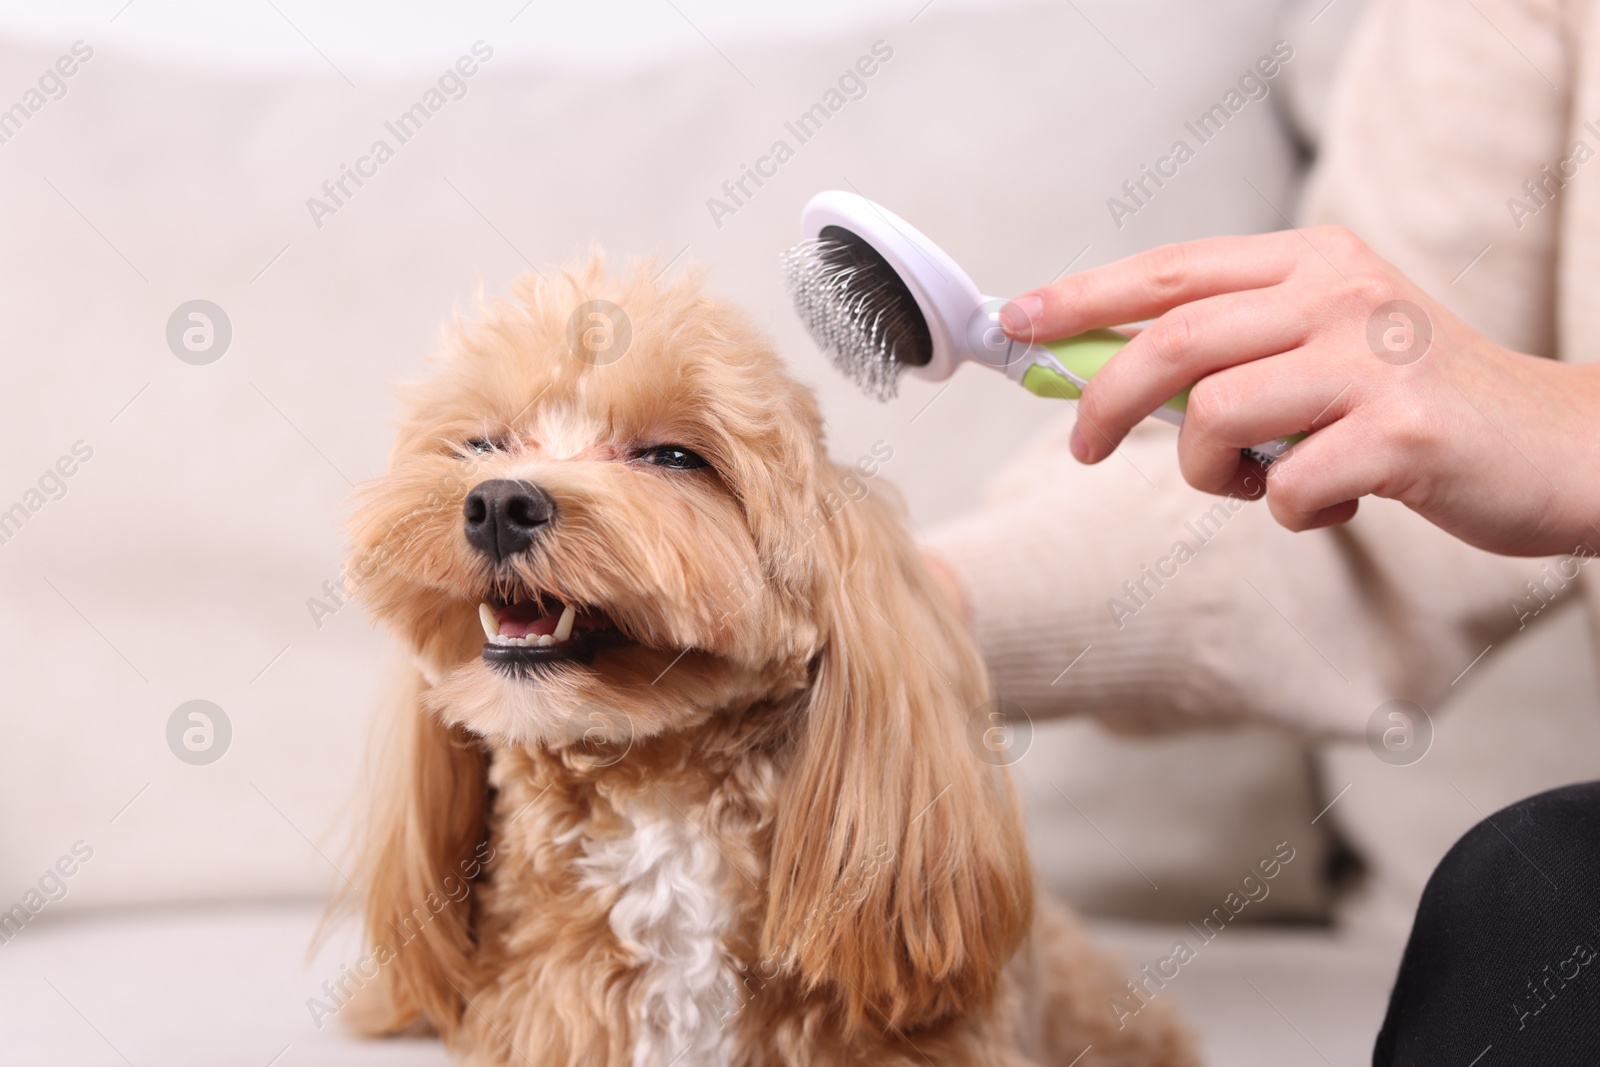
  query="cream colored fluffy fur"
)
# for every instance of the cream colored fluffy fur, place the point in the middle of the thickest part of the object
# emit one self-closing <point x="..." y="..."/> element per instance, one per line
<point x="758" y="834"/>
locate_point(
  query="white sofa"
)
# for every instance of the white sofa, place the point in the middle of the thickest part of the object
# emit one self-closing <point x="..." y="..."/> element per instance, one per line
<point x="179" y="561"/>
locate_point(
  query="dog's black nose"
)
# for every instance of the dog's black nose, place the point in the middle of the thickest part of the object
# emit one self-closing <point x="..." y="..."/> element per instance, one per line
<point x="503" y="516"/>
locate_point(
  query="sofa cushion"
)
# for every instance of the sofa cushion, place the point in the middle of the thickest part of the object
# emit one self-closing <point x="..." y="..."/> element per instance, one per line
<point x="1151" y="828"/>
<point x="1523" y="719"/>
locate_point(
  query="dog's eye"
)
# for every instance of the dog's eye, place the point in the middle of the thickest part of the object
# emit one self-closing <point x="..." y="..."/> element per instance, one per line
<point x="480" y="445"/>
<point x="673" y="457"/>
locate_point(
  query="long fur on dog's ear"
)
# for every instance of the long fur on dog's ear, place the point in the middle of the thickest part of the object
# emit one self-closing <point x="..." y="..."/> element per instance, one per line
<point x="900" y="878"/>
<point x="424" y="847"/>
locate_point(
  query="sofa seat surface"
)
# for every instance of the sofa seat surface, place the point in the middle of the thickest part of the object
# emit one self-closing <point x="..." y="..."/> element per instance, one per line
<point x="228" y="986"/>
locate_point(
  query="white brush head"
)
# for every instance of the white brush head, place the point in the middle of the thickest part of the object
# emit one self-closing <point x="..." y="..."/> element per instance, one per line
<point x="880" y="297"/>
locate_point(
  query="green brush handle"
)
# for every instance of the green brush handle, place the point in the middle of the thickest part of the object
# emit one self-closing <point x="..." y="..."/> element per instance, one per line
<point x="1083" y="355"/>
<point x="1086" y="353"/>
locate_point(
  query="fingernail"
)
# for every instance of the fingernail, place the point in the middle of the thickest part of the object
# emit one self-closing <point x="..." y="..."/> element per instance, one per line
<point x="1019" y="316"/>
<point x="1080" y="447"/>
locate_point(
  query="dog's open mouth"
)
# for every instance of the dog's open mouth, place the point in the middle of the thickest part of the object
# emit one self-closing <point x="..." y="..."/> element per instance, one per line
<point x="525" y="632"/>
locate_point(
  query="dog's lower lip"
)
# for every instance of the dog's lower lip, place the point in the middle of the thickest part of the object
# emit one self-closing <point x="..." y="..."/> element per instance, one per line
<point x="577" y="649"/>
<point x="527" y="655"/>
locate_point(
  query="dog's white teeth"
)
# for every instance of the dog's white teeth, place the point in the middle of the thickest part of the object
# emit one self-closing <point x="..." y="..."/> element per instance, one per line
<point x="491" y="629"/>
<point x="564" y="628"/>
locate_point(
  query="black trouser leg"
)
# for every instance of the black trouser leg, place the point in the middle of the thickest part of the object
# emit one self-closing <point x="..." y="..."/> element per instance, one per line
<point x="1504" y="957"/>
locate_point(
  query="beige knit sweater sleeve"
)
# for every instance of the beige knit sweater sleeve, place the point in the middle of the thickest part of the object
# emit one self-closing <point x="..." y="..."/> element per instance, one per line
<point x="1118" y="591"/>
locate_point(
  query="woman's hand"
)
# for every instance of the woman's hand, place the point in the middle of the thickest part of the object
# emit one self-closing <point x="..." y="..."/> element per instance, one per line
<point x="1309" y="331"/>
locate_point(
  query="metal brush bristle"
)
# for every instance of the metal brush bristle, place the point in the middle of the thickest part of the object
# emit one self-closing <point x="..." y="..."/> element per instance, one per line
<point x="857" y="309"/>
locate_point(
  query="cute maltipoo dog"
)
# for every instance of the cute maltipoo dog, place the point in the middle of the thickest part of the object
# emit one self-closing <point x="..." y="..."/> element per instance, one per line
<point x="682" y="770"/>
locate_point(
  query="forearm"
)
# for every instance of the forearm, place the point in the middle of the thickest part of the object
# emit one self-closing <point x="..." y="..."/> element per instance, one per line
<point x="1120" y="592"/>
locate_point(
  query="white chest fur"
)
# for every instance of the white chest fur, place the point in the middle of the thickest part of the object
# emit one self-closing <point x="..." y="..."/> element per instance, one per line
<point x="671" y="914"/>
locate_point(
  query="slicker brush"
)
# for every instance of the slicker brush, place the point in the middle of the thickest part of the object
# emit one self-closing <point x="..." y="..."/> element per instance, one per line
<point x="883" y="300"/>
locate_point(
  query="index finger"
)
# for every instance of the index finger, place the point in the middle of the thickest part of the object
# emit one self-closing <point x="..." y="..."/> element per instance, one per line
<point x="1151" y="283"/>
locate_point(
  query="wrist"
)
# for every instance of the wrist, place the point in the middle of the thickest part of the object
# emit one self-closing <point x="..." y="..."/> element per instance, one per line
<point x="1562" y="443"/>
<point x="1582" y="465"/>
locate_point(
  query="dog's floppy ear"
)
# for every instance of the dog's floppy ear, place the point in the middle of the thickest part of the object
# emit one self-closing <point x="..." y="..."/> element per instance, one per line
<point x="900" y="880"/>
<point x="425" y="845"/>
